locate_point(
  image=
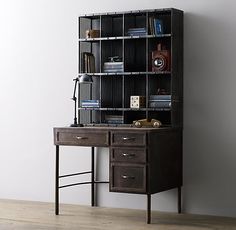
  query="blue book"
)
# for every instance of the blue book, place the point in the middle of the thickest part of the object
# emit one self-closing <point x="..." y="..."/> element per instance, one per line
<point x="137" y="31"/>
<point x="158" y="26"/>
<point x="160" y="97"/>
<point x="90" y="101"/>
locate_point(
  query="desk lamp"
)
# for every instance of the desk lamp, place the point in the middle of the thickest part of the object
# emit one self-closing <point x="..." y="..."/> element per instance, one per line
<point x="82" y="79"/>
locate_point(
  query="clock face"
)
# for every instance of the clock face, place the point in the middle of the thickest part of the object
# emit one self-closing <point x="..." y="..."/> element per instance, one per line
<point x="159" y="62"/>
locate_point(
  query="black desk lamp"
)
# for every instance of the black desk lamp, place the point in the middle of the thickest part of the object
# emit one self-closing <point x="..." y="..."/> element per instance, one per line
<point x="82" y="79"/>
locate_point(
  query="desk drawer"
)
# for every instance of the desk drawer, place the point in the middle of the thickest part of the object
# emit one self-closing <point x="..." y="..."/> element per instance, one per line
<point x="82" y="138"/>
<point x="128" y="155"/>
<point x="128" y="138"/>
<point x="128" y="178"/>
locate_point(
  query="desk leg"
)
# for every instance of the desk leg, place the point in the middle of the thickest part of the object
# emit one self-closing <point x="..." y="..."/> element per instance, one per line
<point x="148" y="208"/>
<point x="179" y="199"/>
<point x="57" y="182"/>
<point x="92" y="178"/>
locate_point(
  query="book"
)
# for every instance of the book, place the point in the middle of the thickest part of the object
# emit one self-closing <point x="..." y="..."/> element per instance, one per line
<point x="155" y="26"/>
<point x="90" y="103"/>
<point x="137" y="31"/>
<point x="159" y="104"/>
<point x="114" y="122"/>
<point x="114" y="117"/>
<point x="114" y="63"/>
<point x="158" y="26"/>
<point x="159" y="97"/>
<point x="113" y="70"/>
<point x="113" y="67"/>
<point x="87" y="62"/>
<point x="151" y="25"/>
<point x="159" y="101"/>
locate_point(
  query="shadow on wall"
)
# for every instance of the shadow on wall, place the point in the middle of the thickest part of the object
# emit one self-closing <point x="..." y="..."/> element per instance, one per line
<point x="209" y="112"/>
<point x="209" y="130"/>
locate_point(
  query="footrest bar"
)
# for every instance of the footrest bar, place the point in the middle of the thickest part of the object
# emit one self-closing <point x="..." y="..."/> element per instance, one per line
<point x="75" y="174"/>
<point x="69" y="185"/>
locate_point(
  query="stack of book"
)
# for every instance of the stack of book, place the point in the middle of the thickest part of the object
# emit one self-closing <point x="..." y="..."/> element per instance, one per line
<point x="90" y="103"/>
<point x="87" y="62"/>
<point x="160" y="101"/>
<point x="114" y="119"/>
<point x="142" y="31"/>
<point x="156" y="26"/>
<point x="113" y="67"/>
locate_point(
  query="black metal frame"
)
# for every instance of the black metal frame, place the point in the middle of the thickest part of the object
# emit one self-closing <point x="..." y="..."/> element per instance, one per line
<point x="93" y="182"/>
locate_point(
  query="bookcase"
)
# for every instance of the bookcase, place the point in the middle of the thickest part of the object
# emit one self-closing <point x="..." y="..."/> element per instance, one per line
<point x="132" y="38"/>
<point x="135" y="60"/>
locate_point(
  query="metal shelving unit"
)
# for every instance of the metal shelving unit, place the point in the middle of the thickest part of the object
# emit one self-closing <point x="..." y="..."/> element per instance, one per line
<point x="114" y="89"/>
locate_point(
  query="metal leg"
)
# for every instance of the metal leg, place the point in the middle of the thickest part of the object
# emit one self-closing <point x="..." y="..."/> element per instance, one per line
<point x="179" y="200"/>
<point x="57" y="182"/>
<point x="92" y="178"/>
<point x="148" y="208"/>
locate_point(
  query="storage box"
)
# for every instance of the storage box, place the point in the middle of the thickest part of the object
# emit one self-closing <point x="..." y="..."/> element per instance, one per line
<point x="137" y="102"/>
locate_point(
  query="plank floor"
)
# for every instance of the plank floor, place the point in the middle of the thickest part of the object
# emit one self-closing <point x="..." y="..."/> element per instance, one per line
<point x="25" y="215"/>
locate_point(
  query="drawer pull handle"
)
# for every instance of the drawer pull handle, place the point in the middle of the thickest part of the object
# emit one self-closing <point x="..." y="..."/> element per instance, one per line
<point x="127" y="177"/>
<point x="129" y="155"/>
<point x="81" y="138"/>
<point x="128" y="138"/>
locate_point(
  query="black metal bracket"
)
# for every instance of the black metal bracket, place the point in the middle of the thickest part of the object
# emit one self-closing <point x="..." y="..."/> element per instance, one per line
<point x="81" y="183"/>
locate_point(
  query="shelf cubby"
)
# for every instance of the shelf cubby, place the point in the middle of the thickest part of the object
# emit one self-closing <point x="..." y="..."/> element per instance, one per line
<point x="112" y="25"/>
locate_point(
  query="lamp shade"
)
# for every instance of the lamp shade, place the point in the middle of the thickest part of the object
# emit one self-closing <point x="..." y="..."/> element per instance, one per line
<point x="85" y="78"/>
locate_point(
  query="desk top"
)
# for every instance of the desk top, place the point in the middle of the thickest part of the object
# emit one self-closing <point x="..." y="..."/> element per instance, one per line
<point x="115" y="128"/>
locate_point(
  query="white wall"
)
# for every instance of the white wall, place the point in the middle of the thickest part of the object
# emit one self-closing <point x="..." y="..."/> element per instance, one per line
<point x="38" y="59"/>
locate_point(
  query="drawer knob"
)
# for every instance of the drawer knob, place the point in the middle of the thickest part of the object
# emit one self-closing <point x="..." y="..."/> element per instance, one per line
<point x="81" y="138"/>
<point x="128" y="138"/>
<point x="127" y="177"/>
<point x="129" y="155"/>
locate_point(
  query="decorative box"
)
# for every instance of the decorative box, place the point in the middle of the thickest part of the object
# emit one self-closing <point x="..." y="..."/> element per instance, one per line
<point x="137" y="102"/>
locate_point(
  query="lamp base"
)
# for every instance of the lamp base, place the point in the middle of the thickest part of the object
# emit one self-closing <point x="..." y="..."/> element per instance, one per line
<point x="76" y="125"/>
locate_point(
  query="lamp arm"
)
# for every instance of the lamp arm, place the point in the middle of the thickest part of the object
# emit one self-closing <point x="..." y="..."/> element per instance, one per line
<point x="75" y="86"/>
<point x="74" y="98"/>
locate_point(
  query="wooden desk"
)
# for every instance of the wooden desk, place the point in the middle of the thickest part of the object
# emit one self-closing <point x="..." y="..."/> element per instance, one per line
<point x="142" y="160"/>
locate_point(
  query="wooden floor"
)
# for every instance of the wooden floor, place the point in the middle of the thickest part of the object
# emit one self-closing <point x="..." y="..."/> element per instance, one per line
<point x="21" y="215"/>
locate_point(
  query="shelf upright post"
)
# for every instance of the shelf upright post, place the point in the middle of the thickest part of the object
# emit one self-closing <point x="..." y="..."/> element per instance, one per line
<point x="100" y="69"/>
<point x="90" y="85"/>
<point x="79" y="63"/>
<point x="123" y="59"/>
<point x="147" y="64"/>
<point x="79" y="67"/>
<point x="171" y="70"/>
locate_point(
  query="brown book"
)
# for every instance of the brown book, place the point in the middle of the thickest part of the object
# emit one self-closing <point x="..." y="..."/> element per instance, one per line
<point x="87" y="62"/>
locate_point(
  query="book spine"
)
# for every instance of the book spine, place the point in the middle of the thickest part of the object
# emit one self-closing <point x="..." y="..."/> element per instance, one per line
<point x="113" y="70"/>
<point x="90" y="106"/>
<point x="90" y="101"/>
<point x="160" y="97"/>
<point x="159" y="104"/>
<point x="158" y="26"/>
<point x="151" y="26"/>
<point x="115" y="122"/>
<point x="87" y="62"/>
